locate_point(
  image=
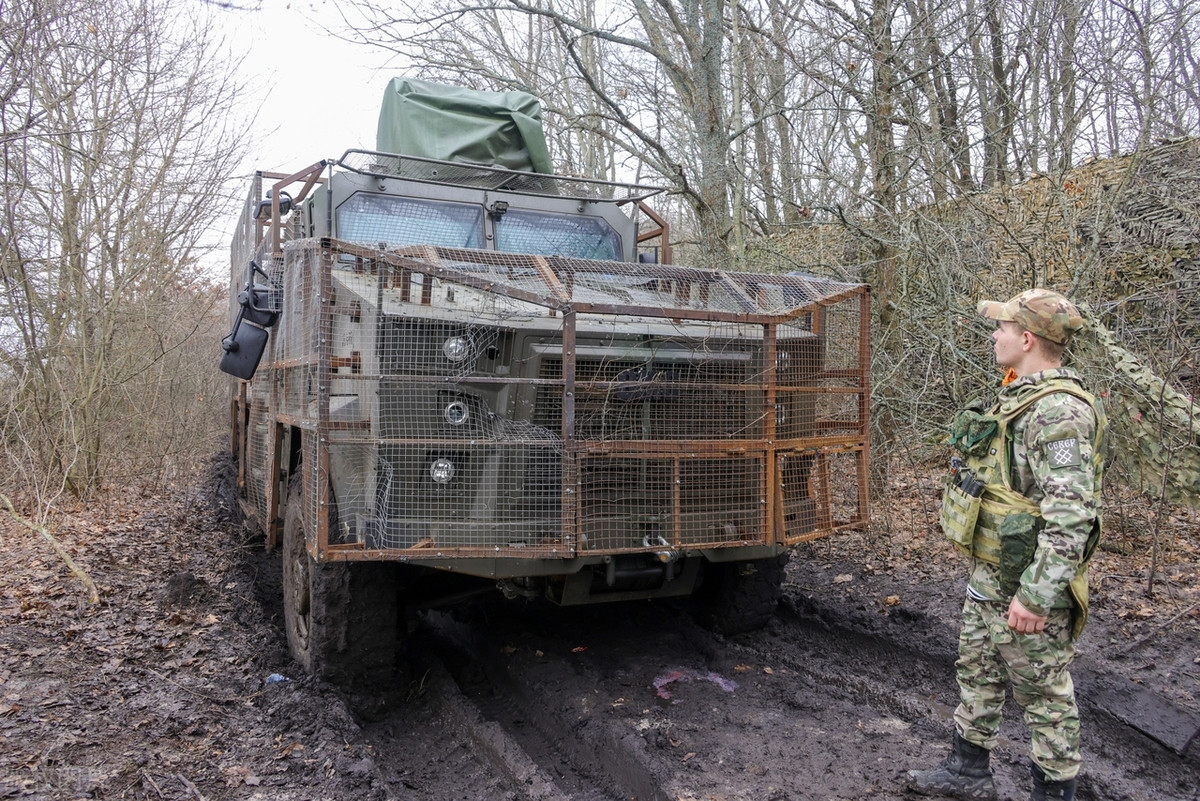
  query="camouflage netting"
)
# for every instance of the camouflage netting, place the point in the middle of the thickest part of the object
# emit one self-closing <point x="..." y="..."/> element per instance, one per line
<point x="1119" y="235"/>
<point x="1155" y="436"/>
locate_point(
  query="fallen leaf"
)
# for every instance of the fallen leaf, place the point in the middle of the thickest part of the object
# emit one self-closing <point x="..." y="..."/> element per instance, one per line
<point x="1142" y="612"/>
<point x="891" y="600"/>
<point x="742" y="668"/>
<point x="843" y="578"/>
<point x="289" y="750"/>
<point x="688" y="755"/>
<point x="579" y="649"/>
<point x="236" y="774"/>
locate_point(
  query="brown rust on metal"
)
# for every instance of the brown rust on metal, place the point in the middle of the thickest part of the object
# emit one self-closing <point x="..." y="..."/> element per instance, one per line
<point x="663" y="231"/>
<point x="272" y="495"/>
<point x="407" y="263"/>
<point x="770" y="357"/>
<point x="570" y="467"/>
<point x="310" y="175"/>
<point x="551" y="279"/>
<point x="353" y="361"/>
<point x="431" y="261"/>
<point x="324" y="376"/>
<point x="295" y="421"/>
<point x="653" y="449"/>
<point x="430" y="550"/>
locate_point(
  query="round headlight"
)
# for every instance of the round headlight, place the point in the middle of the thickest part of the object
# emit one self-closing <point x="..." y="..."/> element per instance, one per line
<point x="456" y="349"/>
<point x="442" y="470"/>
<point x="457" y="413"/>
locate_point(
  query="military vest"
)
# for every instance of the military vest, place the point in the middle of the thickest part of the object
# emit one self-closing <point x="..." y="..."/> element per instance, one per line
<point x="986" y="518"/>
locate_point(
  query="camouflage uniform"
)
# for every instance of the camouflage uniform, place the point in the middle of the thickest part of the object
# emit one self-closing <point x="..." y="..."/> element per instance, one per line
<point x="1052" y="465"/>
<point x="1025" y="506"/>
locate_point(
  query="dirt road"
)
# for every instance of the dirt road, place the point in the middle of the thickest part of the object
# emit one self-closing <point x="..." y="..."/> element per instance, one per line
<point x="178" y="685"/>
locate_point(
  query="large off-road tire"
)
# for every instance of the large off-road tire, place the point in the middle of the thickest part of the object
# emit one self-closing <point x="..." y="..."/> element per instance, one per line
<point x="737" y="597"/>
<point x="342" y="619"/>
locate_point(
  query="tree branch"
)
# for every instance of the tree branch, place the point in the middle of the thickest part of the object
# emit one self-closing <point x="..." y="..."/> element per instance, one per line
<point x="92" y="593"/>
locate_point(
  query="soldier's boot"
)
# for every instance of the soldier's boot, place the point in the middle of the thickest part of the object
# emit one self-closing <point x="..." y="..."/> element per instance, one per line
<point x="964" y="774"/>
<point x="1046" y="790"/>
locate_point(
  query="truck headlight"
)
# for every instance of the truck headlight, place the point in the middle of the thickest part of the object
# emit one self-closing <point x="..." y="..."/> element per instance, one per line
<point x="441" y="470"/>
<point x="456" y="349"/>
<point x="457" y="413"/>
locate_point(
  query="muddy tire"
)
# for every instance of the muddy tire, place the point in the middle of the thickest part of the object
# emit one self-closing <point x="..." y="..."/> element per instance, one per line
<point x="740" y="596"/>
<point x="342" y="619"/>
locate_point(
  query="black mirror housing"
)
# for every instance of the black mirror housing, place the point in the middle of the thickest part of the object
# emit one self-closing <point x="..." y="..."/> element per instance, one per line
<point x="244" y="349"/>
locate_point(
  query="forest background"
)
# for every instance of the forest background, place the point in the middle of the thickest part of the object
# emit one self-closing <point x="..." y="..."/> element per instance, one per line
<point x="942" y="151"/>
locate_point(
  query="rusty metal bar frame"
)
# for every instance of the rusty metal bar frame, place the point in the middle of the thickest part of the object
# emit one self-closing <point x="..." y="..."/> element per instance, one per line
<point x="324" y="374"/>
<point x="311" y="175"/>
<point x="772" y="491"/>
<point x="864" y="405"/>
<point x="403" y="262"/>
<point x="772" y="516"/>
<point x="570" y="460"/>
<point x="272" y="489"/>
<point x="663" y="231"/>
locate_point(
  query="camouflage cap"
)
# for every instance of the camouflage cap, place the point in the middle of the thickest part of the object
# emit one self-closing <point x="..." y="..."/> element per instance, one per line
<point x="1040" y="311"/>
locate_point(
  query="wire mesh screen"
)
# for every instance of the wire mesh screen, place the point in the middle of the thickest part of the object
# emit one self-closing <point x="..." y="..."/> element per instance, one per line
<point x="470" y="403"/>
<point x="257" y="456"/>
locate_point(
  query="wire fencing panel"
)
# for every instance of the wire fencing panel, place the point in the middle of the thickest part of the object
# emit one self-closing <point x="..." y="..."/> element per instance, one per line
<point x="474" y="403"/>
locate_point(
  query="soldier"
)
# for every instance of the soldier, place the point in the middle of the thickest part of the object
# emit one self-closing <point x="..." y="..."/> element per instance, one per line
<point x="1025" y="507"/>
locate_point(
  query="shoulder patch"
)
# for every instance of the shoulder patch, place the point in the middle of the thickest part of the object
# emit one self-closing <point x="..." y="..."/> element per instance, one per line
<point x="1063" y="452"/>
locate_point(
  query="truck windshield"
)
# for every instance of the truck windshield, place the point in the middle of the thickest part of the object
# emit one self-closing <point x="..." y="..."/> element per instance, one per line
<point x="405" y="221"/>
<point x="557" y="235"/>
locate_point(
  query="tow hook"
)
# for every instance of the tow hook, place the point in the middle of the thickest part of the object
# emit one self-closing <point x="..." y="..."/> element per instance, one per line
<point x="667" y="557"/>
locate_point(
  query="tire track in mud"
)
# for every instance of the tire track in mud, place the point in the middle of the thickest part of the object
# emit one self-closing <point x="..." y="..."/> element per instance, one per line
<point x="572" y="759"/>
<point x="594" y="705"/>
<point x="610" y="705"/>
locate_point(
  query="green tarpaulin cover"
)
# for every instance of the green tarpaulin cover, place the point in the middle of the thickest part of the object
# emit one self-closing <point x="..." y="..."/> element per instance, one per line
<point x="433" y="120"/>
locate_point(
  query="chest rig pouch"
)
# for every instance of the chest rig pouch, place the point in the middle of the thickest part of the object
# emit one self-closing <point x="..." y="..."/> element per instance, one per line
<point x="983" y="516"/>
<point x="971" y="433"/>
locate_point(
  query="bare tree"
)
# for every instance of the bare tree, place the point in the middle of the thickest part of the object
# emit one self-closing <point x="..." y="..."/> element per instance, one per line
<point x="649" y="78"/>
<point x="116" y="142"/>
<point x="759" y="111"/>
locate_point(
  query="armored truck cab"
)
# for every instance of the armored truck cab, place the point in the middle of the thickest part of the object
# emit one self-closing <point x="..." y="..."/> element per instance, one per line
<point x="451" y="378"/>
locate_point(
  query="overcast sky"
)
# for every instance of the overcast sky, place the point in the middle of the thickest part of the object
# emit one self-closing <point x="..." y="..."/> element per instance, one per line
<point x="318" y="94"/>
<point x="314" y="95"/>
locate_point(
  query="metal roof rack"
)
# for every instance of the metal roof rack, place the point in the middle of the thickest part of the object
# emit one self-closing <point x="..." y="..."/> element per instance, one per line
<point x="479" y="176"/>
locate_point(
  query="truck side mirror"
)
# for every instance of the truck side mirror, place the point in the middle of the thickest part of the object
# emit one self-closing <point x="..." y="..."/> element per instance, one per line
<point x="243" y="348"/>
<point x="260" y="305"/>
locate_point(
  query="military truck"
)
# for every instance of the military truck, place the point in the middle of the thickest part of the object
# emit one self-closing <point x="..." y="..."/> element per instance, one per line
<point x="453" y="377"/>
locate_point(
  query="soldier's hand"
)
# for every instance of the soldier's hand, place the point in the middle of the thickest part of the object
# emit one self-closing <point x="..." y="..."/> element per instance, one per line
<point x="1022" y="621"/>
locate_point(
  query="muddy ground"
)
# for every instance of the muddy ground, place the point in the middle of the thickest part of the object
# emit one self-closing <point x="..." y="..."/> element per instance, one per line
<point x="178" y="683"/>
